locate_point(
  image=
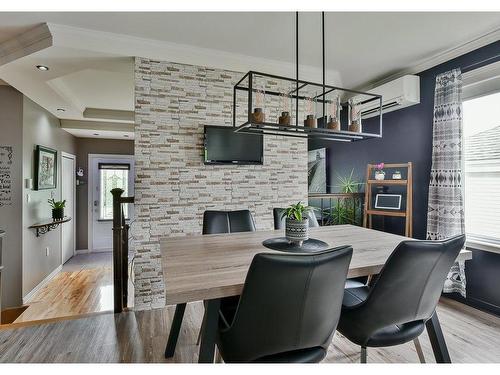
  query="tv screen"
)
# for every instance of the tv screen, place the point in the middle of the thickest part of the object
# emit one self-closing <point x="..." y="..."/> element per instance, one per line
<point x="224" y="146"/>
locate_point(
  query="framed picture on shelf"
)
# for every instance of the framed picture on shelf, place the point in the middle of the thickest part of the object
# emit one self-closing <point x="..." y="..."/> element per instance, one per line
<point x="45" y="168"/>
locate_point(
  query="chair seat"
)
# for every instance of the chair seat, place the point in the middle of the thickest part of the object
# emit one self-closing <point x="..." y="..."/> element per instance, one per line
<point x="309" y="355"/>
<point x="396" y="334"/>
<point x="354" y="295"/>
<point x="388" y="336"/>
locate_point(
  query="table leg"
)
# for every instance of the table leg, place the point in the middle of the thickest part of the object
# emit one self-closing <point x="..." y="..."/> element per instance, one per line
<point x="437" y="340"/>
<point x="174" y="330"/>
<point x="207" y="346"/>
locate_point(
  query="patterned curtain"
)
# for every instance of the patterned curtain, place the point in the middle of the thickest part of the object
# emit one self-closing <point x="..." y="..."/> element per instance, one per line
<point x="445" y="217"/>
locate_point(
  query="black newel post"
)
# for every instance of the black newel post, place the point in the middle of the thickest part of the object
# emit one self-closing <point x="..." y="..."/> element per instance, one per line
<point x="117" y="251"/>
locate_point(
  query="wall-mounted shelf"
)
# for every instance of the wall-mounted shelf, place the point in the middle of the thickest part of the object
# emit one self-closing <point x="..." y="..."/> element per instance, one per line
<point x="387" y="182"/>
<point x="46" y="226"/>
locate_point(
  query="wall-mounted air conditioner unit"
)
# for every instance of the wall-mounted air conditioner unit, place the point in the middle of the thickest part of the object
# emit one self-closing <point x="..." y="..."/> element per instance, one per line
<point x="400" y="93"/>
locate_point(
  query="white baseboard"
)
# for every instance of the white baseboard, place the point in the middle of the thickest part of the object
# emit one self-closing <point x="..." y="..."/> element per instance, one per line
<point x="30" y="295"/>
<point x="101" y="250"/>
<point x="82" y="251"/>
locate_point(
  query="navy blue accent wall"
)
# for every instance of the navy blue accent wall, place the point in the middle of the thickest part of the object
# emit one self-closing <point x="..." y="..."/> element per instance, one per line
<point x="407" y="136"/>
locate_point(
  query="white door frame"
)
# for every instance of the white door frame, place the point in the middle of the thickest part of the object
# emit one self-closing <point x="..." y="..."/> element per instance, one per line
<point x="73" y="215"/>
<point x="90" y="200"/>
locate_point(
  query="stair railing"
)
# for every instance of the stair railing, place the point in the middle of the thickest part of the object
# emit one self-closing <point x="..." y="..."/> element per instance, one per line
<point x="120" y="250"/>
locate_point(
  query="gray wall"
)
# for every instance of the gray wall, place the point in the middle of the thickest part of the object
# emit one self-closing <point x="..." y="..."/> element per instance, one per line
<point x="407" y="137"/>
<point x="84" y="147"/>
<point x="40" y="128"/>
<point x="11" y="130"/>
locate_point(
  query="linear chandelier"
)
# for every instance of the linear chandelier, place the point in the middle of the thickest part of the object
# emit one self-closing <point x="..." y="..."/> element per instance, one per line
<point x="276" y="105"/>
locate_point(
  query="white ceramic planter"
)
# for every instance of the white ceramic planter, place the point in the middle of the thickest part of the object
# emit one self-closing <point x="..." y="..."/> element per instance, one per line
<point x="297" y="231"/>
<point x="379" y="175"/>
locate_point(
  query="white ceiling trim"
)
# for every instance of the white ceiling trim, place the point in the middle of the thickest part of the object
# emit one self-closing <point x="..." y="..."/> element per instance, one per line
<point x="447" y="55"/>
<point x="109" y="114"/>
<point x="61" y="89"/>
<point x="33" y="40"/>
<point x="97" y="125"/>
<point x="125" y="45"/>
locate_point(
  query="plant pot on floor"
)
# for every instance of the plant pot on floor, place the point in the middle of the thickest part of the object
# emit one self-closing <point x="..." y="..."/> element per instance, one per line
<point x="297" y="231"/>
<point x="57" y="214"/>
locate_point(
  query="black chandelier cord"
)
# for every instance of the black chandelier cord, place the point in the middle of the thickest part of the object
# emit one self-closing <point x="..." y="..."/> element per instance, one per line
<point x="297" y="68"/>
<point x="324" y="64"/>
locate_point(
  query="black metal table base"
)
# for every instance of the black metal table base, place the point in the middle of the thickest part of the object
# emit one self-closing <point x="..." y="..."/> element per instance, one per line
<point x="207" y="345"/>
<point x="174" y="330"/>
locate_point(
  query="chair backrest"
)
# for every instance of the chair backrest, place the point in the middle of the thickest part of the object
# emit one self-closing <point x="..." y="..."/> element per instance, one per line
<point x="410" y="283"/>
<point x="279" y="222"/>
<point x="289" y="302"/>
<point x="227" y="222"/>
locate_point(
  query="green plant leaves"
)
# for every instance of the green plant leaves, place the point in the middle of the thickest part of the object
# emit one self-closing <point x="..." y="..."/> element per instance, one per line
<point x="296" y="211"/>
<point x="56" y="204"/>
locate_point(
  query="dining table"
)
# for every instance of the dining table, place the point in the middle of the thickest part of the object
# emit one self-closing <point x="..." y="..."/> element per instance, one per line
<point x="211" y="267"/>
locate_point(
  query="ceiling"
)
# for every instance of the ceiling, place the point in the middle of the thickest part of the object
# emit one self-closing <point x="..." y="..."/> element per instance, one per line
<point x="91" y="61"/>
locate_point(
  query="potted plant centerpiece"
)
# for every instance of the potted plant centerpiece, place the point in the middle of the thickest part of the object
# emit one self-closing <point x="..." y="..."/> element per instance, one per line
<point x="297" y="223"/>
<point x="57" y="209"/>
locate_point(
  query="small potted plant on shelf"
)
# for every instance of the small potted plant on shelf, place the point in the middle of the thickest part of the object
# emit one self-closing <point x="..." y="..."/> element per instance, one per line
<point x="379" y="171"/>
<point x="297" y="223"/>
<point x="57" y="209"/>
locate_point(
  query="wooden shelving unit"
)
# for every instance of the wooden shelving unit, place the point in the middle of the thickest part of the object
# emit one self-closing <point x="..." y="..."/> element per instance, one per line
<point x="407" y="213"/>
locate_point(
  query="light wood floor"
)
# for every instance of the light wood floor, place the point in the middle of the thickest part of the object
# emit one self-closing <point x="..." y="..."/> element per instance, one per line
<point x="472" y="337"/>
<point x="84" y="286"/>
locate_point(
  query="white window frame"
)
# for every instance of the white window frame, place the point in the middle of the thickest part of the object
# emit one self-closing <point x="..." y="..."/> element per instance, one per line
<point x="477" y="83"/>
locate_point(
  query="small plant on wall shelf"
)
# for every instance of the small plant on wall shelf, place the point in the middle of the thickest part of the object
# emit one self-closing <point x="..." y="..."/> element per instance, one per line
<point x="57" y="209"/>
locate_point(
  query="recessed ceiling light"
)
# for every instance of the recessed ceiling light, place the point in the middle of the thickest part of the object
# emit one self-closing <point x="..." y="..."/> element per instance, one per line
<point x="61" y="110"/>
<point x="96" y="133"/>
<point x="42" y="67"/>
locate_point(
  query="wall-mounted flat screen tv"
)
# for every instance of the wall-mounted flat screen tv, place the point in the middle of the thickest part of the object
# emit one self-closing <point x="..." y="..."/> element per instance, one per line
<point x="224" y="146"/>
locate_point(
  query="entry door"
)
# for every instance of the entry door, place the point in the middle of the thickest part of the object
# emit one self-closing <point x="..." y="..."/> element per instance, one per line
<point x="114" y="171"/>
<point x="68" y="184"/>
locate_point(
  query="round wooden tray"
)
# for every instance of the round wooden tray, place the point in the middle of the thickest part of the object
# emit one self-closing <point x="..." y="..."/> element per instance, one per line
<point x="312" y="245"/>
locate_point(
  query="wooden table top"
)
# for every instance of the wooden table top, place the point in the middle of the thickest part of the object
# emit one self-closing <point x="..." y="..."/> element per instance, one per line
<point x="204" y="267"/>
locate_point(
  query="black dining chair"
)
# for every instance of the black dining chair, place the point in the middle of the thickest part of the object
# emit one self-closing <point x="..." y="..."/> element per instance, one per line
<point x="288" y="310"/>
<point x="395" y="309"/>
<point x="215" y="222"/>
<point x="227" y="221"/>
<point x="279" y="221"/>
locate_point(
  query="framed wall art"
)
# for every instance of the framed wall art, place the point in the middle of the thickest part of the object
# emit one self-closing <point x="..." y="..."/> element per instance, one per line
<point x="45" y="168"/>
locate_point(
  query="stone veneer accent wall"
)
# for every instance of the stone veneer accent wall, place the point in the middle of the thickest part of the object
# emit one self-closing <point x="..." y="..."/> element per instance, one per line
<point x="173" y="187"/>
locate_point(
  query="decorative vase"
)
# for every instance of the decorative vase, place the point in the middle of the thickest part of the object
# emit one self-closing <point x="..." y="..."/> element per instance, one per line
<point x="310" y="122"/>
<point x="396" y="175"/>
<point x="379" y="175"/>
<point x="355" y="127"/>
<point x="333" y="124"/>
<point x="297" y="231"/>
<point x="258" y="116"/>
<point x="354" y="118"/>
<point x="284" y="119"/>
<point x="57" y="214"/>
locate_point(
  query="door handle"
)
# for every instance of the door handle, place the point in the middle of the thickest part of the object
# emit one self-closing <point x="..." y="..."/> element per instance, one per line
<point x="96" y="203"/>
